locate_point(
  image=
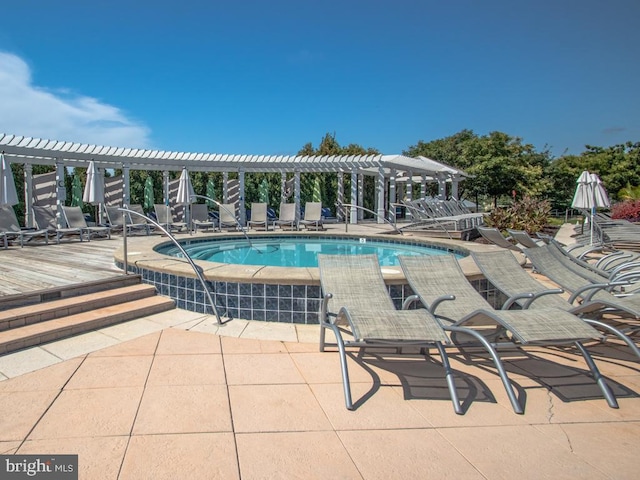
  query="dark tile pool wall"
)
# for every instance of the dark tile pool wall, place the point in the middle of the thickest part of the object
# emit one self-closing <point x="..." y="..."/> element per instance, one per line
<point x="271" y="303"/>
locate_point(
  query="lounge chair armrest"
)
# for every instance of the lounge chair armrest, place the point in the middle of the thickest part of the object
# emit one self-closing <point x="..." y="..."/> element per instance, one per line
<point x="324" y="308"/>
<point x="594" y="288"/>
<point x="551" y="291"/>
<point x="623" y="268"/>
<point x="409" y="300"/>
<point x="627" y="277"/>
<point x="439" y="300"/>
<point x="514" y="299"/>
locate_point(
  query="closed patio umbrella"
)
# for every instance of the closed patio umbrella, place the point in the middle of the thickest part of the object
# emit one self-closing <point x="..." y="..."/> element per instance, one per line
<point x="185" y="193"/>
<point x="149" y="196"/>
<point x="94" y="188"/>
<point x="590" y="194"/>
<point x="8" y="194"/>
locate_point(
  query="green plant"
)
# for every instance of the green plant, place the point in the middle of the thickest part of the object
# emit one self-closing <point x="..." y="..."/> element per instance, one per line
<point x="528" y="214"/>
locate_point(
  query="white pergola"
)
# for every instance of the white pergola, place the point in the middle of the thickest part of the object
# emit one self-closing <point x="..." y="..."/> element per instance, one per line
<point x="33" y="151"/>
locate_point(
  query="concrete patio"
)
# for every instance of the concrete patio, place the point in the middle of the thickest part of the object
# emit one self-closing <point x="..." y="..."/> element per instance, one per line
<point x="174" y="395"/>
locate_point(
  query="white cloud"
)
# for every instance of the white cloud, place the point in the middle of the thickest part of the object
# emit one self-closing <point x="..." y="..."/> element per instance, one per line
<point x="32" y="111"/>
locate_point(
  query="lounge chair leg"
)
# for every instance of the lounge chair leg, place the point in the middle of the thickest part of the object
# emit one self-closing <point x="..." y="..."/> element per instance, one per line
<point x="450" y="379"/>
<point x="606" y="391"/>
<point x="634" y="348"/>
<point x="517" y="408"/>
<point x="343" y="366"/>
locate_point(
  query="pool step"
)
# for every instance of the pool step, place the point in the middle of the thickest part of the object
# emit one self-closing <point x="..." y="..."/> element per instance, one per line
<point x="45" y="295"/>
<point x="28" y="326"/>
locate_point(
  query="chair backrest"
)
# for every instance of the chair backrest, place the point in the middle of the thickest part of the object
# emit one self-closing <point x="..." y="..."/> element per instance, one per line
<point x="287" y="212"/>
<point x="164" y="214"/>
<point x="8" y="219"/>
<point x="74" y="217"/>
<point x="200" y="212"/>
<point x="523" y="238"/>
<point x="228" y="213"/>
<point x="136" y="218"/>
<point x="313" y="211"/>
<point x="114" y="216"/>
<point x="504" y="272"/>
<point x="259" y="212"/>
<point x="355" y="282"/>
<point x="494" y="236"/>
<point x="45" y="217"/>
<point x="434" y="276"/>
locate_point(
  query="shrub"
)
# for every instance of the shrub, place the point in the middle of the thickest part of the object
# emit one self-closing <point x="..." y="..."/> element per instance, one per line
<point x="627" y="210"/>
<point x="526" y="214"/>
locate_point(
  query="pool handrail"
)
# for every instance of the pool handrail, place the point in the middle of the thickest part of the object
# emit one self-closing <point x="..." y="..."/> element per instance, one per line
<point x="233" y="215"/>
<point x="350" y="205"/>
<point x="195" y="267"/>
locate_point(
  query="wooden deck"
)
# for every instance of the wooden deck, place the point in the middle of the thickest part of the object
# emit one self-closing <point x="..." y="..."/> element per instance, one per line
<point x="38" y="267"/>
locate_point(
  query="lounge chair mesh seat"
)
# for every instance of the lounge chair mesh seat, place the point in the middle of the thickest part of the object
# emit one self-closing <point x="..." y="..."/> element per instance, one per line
<point x="441" y="286"/>
<point x="355" y="294"/>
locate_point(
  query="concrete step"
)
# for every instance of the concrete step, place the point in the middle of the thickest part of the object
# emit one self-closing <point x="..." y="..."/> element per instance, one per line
<point x="58" y="328"/>
<point x="66" y="291"/>
<point x="31" y="314"/>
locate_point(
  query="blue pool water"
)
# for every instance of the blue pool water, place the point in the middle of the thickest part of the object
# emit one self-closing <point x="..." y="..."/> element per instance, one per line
<point x="296" y="251"/>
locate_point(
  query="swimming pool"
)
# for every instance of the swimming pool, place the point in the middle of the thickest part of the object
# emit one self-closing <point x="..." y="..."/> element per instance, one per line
<point x="297" y="251"/>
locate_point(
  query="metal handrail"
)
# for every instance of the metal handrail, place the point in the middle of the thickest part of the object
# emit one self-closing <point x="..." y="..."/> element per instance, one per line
<point x="195" y="267"/>
<point x="233" y="214"/>
<point x="376" y="214"/>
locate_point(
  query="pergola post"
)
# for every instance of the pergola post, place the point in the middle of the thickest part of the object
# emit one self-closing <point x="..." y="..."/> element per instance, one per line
<point x="339" y="211"/>
<point x="409" y="186"/>
<point x="353" y="214"/>
<point x="454" y="187"/>
<point x="423" y="186"/>
<point x="392" y="194"/>
<point x="126" y="182"/>
<point x="296" y="193"/>
<point x="380" y="195"/>
<point x="225" y="187"/>
<point x="165" y="186"/>
<point x="360" y="196"/>
<point x="241" y="204"/>
<point x="28" y="195"/>
<point x="61" y="191"/>
<point x="442" y="186"/>
<point x="283" y="187"/>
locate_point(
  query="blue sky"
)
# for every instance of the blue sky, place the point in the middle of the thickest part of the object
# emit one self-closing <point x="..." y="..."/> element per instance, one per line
<point x="260" y="77"/>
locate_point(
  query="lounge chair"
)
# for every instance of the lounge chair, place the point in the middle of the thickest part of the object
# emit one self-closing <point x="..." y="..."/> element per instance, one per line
<point x="504" y="272"/>
<point x="10" y="228"/>
<point x="200" y="217"/>
<point x="227" y="216"/>
<point x="287" y="217"/>
<point x="75" y="219"/>
<point x="117" y="220"/>
<point x="312" y="215"/>
<point x="259" y="217"/>
<point x="355" y="295"/>
<point x="46" y="219"/>
<point x="581" y="288"/>
<point x="138" y="220"/>
<point x="494" y="236"/>
<point x="164" y="216"/>
<point x="441" y="286"/>
<point x="523" y="238"/>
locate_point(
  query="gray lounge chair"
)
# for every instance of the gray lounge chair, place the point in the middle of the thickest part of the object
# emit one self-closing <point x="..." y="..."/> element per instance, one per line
<point x="259" y="217"/>
<point x="523" y="238"/>
<point x="442" y="288"/>
<point x="138" y="220"/>
<point x="46" y="219"/>
<point x="10" y="228"/>
<point x="200" y="217"/>
<point x="494" y="236"/>
<point x="287" y="216"/>
<point x="164" y="216"/>
<point x="355" y="295"/>
<point x="504" y="272"/>
<point x="118" y="218"/>
<point x="227" y="216"/>
<point x="75" y="219"/>
<point x="312" y="215"/>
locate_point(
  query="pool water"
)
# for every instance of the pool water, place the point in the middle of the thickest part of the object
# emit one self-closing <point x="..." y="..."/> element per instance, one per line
<point x="296" y="251"/>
